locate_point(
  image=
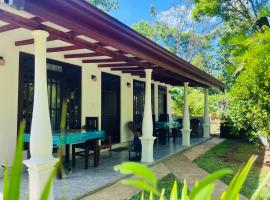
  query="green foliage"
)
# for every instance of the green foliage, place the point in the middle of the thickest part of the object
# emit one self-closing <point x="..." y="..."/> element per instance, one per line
<point x="46" y="191"/>
<point x="202" y="190"/>
<point x="164" y="185"/>
<point x="146" y="178"/>
<point x="105" y="5"/>
<point x="178" y="37"/>
<point x="227" y="9"/>
<point x="235" y="18"/>
<point x="195" y="98"/>
<point x="12" y="182"/>
<point x="249" y="107"/>
<point x="232" y="154"/>
<point x="11" y="187"/>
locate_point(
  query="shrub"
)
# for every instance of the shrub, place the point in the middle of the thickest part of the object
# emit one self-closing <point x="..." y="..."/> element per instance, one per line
<point x="202" y="190"/>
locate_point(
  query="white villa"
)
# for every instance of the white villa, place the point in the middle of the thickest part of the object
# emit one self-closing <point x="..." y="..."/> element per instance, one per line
<point x="51" y="50"/>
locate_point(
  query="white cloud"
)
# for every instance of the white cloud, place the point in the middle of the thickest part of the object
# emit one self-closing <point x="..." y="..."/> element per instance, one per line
<point x="177" y="16"/>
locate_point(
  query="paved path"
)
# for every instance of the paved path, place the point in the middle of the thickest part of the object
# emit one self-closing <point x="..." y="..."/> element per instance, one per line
<point x="180" y="165"/>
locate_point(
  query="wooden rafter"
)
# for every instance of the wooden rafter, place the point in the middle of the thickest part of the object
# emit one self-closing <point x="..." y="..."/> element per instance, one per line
<point x="83" y="55"/>
<point x="65" y="48"/>
<point x="30" y="41"/>
<point x="66" y="37"/>
<point x="127" y="69"/>
<point x="8" y="27"/>
<point x="90" y="22"/>
<point x="101" y="60"/>
<point x="118" y="65"/>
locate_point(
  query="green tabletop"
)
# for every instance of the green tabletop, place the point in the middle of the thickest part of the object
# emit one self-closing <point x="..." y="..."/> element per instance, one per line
<point x="71" y="136"/>
<point x="163" y="125"/>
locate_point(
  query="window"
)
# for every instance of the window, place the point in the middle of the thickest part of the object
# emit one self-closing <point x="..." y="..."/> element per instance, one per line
<point x="139" y="98"/>
<point x="64" y="82"/>
<point x="162" y="100"/>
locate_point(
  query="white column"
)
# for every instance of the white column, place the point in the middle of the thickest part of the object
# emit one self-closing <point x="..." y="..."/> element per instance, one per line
<point x="156" y="101"/>
<point x="206" y="125"/>
<point x="41" y="163"/>
<point x="147" y="138"/>
<point x="169" y="106"/>
<point x="186" y="119"/>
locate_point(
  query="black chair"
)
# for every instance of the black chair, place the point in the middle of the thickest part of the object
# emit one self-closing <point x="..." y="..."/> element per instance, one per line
<point x="164" y="117"/>
<point x="89" y="147"/>
<point x="177" y="130"/>
<point x="164" y="133"/>
<point x="91" y="123"/>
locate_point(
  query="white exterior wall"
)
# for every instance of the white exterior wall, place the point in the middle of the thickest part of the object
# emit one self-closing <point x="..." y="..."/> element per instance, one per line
<point x="91" y="96"/>
<point x="91" y="93"/>
<point x="126" y="107"/>
<point x="8" y="101"/>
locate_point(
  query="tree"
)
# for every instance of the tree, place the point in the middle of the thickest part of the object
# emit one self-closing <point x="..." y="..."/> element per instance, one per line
<point x="249" y="106"/>
<point x="228" y="10"/>
<point x="105" y="5"/>
<point x="176" y="31"/>
<point x="238" y="18"/>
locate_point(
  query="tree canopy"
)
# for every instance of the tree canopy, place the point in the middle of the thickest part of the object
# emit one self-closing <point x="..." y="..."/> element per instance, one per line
<point x="105" y="5"/>
<point x="235" y="49"/>
<point x="249" y="106"/>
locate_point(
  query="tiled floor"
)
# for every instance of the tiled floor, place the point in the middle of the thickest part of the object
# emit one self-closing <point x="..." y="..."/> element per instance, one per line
<point x="80" y="181"/>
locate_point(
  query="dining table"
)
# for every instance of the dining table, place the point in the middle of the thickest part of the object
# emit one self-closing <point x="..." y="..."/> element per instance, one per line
<point x="162" y="129"/>
<point x="69" y="137"/>
<point x="167" y="125"/>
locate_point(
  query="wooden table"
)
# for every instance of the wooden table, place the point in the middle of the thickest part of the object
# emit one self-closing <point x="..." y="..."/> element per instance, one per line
<point x="69" y="137"/>
<point x="162" y="128"/>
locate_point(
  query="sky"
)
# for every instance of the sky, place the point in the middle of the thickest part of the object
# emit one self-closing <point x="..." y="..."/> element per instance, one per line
<point x="132" y="11"/>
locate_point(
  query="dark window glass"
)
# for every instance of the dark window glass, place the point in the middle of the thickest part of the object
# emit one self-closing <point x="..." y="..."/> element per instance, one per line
<point x="139" y="98"/>
<point x="162" y="100"/>
<point x="64" y="82"/>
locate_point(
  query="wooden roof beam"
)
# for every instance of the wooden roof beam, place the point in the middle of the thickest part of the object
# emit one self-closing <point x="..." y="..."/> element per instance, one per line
<point x="8" y="27"/>
<point x="118" y="65"/>
<point x="83" y="55"/>
<point x="99" y="48"/>
<point x="65" y="48"/>
<point x="30" y="41"/>
<point x="101" y="60"/>
<point x="127" y="69"/>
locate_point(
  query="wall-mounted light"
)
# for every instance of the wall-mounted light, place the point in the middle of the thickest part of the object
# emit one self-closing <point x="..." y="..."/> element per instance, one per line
<point x="93" y="77"/>
<point x="2" y="61"/>
<point x="128" y="84"/>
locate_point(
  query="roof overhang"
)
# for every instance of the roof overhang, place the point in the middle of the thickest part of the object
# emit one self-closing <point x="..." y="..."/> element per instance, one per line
<point x="83" y="19"/>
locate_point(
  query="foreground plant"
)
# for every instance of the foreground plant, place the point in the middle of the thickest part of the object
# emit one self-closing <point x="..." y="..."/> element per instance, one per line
<point x="146" y="180"/>
<point x="11" y="190"/>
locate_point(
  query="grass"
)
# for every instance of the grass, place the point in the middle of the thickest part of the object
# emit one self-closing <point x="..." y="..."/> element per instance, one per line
<point x="166" y="183"/>
<point x="233" y="154"/>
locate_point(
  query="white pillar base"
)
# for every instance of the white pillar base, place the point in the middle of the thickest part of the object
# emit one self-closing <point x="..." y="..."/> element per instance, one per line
<point x="206" y="130"/>
<point x="39" y="173"/>
<point x="186" y="137"/>
<point x="147" y="149"/>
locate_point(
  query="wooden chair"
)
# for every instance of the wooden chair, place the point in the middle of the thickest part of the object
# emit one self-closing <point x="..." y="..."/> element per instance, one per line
<point x="107" y="144"/>
<point x="89" y="147"/>
<point x="137" y="146"/>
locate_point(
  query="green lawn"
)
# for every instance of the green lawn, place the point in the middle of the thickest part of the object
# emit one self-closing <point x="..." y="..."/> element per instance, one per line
<point x="232" y="154"/>
<point x="166" y="183"/>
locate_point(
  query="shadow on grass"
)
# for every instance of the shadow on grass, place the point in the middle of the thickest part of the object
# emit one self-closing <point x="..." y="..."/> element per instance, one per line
<point x="233" y="154"/>
<point x="165" y="183"/>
